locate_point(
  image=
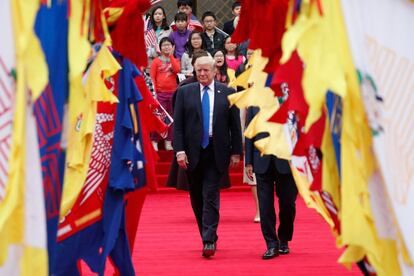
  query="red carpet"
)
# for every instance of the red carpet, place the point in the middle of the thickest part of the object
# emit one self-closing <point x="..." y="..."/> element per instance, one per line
<point x="163" y="167"/>
<point x="168" y="243"/>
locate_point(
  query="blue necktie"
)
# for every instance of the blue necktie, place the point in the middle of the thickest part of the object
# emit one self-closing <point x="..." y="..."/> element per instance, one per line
<point x="205" y="107"/>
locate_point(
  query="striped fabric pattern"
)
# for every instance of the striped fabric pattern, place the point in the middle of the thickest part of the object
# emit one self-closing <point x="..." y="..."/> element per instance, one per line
<point x="150" y="36"/>
<point x="6" y="116"/>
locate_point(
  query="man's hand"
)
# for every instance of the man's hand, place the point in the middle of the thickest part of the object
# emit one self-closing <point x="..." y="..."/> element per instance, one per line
<point x="182" y="160"/>
<point x="249" y="171"/>
<point x="234" y="160"/>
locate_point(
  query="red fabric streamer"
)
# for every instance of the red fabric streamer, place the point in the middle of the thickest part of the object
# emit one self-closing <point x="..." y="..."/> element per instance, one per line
<point x="291" y="73"/>
<point x="319" y="5"/>
<point x="309" y="145"/>
<point x="266" y="20"/>
<point x="127" y="32"/>
<point x="96" y="32"/>
<point x="149" y="123"/>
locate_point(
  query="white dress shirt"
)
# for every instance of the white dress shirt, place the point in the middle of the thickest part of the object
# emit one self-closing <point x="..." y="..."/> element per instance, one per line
<point x="211" y="98"/>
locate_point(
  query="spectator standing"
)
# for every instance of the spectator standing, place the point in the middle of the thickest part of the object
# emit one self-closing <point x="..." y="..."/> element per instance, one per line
<point x="214" y="40"/>
<point x="195" y="44"/>
<point x="157" y="28"/>
<point x="164" y="70"/>
<point x="186" y="6"/>
<point x="230" y="25"/>
<point x="181" y="35"/>
<point x="233" y="58"/>
<point x="223" y="73"/>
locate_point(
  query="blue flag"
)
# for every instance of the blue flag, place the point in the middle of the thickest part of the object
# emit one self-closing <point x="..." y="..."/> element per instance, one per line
<point x="51" y="27"/>
<point x="334" y="106"/>
<point x="126" y="169"/>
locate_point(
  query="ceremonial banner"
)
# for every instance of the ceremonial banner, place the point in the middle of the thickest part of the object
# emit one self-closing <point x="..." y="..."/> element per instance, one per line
<point x="7" y="88"/>
<point x="22" y="212"/>
<point x="381" y="37"/>
<point x="10" y="206"/>
<point x="52" y="29"/>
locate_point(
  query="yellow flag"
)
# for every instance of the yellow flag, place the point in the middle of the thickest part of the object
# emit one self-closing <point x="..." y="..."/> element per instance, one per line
<point x="257" y="94"/>
<point x="82" y="116"/>
<point x="322" y="45"/>
<point x="357" y="225"/>
<point x="312" y="36"/>
<point x="311" y="198"/>
<point x="22" y="213"/>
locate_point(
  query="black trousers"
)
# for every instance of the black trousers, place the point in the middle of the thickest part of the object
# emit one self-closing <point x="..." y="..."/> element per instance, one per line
<point x="204" y="194"/>
<point x="286" y="192"/>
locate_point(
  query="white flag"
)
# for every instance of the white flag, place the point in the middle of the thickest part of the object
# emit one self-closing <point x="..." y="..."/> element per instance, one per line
<point x="382" y="40"/>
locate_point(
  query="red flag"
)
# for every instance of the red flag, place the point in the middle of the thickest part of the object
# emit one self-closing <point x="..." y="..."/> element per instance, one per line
<point x="88" y="207"/>
<point x="127" y="32"/>
<point x="290" y="73"/>
<point x="309" y="145"/>
<point x="256" y="14"/>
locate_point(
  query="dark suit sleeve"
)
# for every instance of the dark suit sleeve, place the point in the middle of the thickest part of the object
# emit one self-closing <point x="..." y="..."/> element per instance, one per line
<point x="179" y="121"/>
<point x="235" y="129"/>
<point x="248" y="143"/>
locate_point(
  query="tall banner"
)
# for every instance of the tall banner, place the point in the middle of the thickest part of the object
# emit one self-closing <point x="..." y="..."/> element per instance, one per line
<point x="52" y="29"/>
<point x="22" y="213"/>
<point x="9" y="204"/>
<point x="381" y="37"/>
<point x="7" y="86"/>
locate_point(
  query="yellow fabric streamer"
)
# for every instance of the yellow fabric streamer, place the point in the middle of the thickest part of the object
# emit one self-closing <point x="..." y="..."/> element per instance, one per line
<point x="257" y="94"/>
<point x="312" y="199"/>
<point x="358" y="230"/>
<point x="82" y="116"/>
<point x="322" y="45"/>
<point x="312" y="35"/>
<point x="32" y="73"/>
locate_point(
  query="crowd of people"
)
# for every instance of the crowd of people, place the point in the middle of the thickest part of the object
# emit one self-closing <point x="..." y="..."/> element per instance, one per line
<point x="170" y="50"/>
<point x="191" y="66"/>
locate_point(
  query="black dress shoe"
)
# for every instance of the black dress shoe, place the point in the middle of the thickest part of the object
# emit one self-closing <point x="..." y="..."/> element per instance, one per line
<point x="283" y="248"/>
<point x="270" y="253"/>
<point x="209" y="250"/>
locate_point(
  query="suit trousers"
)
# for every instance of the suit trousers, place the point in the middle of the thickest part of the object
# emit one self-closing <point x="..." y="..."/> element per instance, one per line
<point x="204" y="194"/>
<point x="286" y="192"/>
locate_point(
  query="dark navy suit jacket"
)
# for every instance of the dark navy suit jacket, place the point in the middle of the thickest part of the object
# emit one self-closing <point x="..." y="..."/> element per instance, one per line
<point x="252" y="154"/>
<point x="188" y="125"/>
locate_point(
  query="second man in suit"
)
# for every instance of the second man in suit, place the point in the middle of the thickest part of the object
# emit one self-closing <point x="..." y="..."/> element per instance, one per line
<point x="207" y="139"/>
<point x="272" y="172"/>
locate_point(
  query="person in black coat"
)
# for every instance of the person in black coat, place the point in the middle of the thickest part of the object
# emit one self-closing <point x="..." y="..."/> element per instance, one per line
<point x="229" y="26"/>
<point x="272" y="172"/>
<point x="213" y="38"/>
<point x="177" y="177"/>
<point x="207" y="139"/>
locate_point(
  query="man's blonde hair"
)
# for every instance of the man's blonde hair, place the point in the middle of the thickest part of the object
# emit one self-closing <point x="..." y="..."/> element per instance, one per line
<point x="206" y="60"/>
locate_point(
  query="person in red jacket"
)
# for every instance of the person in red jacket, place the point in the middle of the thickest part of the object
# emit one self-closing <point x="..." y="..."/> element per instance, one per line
<point x="164" y="70"/>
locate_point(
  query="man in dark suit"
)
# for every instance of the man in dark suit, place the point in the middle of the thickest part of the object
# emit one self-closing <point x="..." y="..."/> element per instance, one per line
<point x="207" y="138"/>
<point x="272" y="172"/>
